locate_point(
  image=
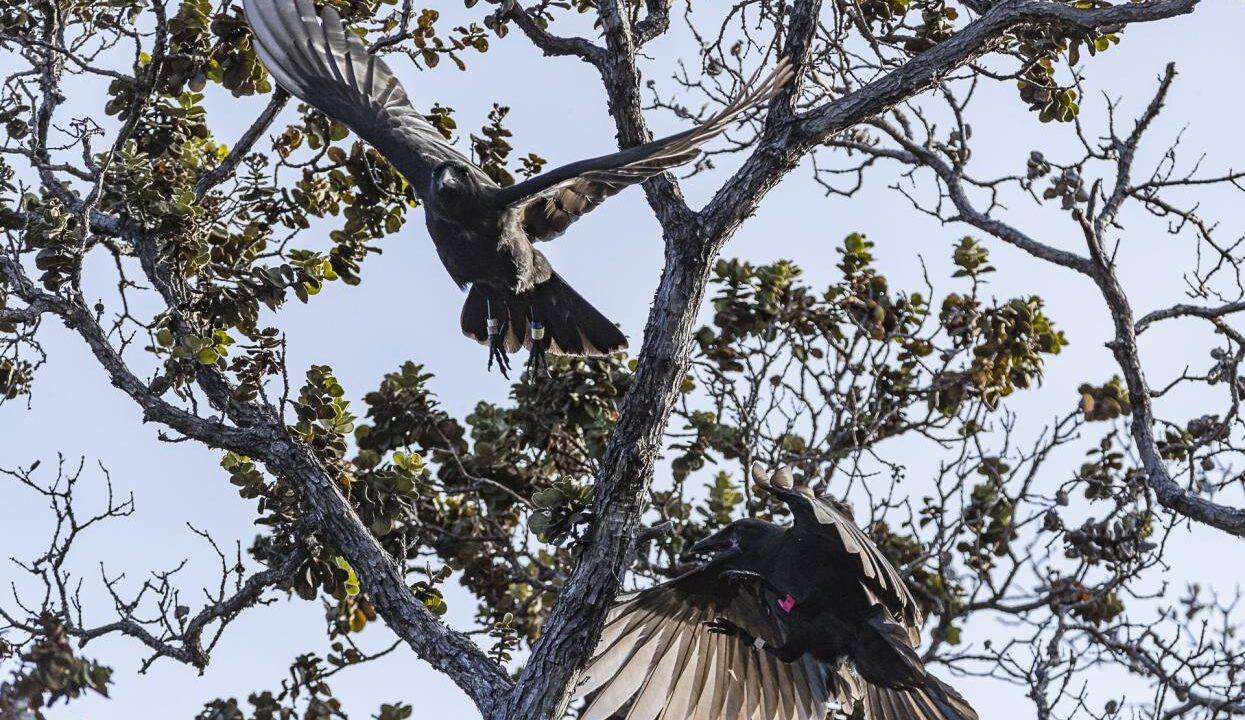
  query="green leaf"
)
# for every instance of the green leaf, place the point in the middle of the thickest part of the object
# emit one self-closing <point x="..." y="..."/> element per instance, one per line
<point x="351" y="586"/>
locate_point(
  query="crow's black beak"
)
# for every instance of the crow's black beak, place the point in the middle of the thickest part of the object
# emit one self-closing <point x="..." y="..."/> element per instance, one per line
<point x="709" y="548"/>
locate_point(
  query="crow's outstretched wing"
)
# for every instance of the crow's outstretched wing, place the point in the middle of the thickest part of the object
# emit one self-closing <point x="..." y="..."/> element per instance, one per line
<point x="657" y="661"/>
<point x="323" y="63"/>
<point x="877" y="573"/>
<point x="548" y="203"/>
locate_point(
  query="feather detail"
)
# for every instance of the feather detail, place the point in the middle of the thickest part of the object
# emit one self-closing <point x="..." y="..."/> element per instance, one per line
<point x="548" y="203"/>
<point x="657" y="661"/>
<point x="321" y="62"/>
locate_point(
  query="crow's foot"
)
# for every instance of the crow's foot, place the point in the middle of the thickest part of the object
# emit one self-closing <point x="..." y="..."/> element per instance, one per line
<point x="721" y="626"/>
<point x="538" y="360"/>
<point x="497" y="348"/>
<point x="743" y="577"/>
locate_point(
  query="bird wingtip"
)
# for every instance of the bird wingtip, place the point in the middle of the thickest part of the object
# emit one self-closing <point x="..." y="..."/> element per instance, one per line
<point x="781" y="479"/>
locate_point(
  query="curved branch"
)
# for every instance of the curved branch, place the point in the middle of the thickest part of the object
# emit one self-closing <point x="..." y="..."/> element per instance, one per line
<point x="216" y="175"/>
<point x="553" y="45"/>
<point x="1124" y="346"/>
<point x="1186" y="310"/>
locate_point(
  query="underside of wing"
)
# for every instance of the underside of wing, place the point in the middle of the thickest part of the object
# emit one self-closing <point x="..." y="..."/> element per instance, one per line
<point x="323" y="63"/>
<point x="549" y="214"/>
<point x="547" y="204"/>
<point x="657" y="661"/>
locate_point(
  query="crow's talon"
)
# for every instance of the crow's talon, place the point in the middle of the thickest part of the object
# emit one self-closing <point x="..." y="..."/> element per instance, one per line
<point x="721" y="626"/>
<point x="496" y="348"/>
<point x="538" y="360"/>
<point x="742" y="577"/>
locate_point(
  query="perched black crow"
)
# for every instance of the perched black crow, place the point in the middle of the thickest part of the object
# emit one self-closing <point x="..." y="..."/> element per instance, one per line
<point x="774" y="625"/>
<point x="483" y="232"/>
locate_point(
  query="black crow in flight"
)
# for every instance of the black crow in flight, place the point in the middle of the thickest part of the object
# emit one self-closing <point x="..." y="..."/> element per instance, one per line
<point x="484" y="233"/>
<point x="774" y="625"/>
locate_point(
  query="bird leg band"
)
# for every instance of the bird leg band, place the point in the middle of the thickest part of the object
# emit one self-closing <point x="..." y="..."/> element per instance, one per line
<point x="496" y="348"/>
<point x="538" y="361"/>
<point x="785" y="653"/>
<point x="723" y="626"/>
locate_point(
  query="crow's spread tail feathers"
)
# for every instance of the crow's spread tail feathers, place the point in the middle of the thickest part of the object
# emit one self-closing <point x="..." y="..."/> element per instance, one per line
<point x="935" y="701"/>
<point x="572" y="325"/>
<point x="883" y="652"/>
<point x="896" y="685"/>
<point x="550" y="318"/>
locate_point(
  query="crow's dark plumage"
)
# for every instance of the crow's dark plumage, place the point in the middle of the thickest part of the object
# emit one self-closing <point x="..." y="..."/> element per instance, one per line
<point x="775" y="624"/>
<point x="483" y="232"/>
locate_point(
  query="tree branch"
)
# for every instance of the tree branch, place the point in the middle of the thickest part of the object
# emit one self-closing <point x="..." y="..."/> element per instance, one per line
<point x="216" y="175"/>
<point x="655" y="23"/>
<point x="621" y="78"/>
<point x="552" y="45"/>
<point x="380" y="575"/>
<point x="782" y="147"/>
<point x="189" y="646"/>
<point x="1185" y="310"/>
<point x="1124" y="346"/>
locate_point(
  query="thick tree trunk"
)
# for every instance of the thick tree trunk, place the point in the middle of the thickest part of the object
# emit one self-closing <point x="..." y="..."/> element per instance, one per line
<point x="626" y="470"/>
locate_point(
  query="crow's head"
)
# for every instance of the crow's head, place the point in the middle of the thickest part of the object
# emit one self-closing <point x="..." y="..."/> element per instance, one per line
<point x="732" y="541"/>
<point x="452" y="185"/>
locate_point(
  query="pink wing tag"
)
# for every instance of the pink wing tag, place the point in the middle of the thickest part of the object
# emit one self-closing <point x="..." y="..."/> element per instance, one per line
<point x="786" y="603"/>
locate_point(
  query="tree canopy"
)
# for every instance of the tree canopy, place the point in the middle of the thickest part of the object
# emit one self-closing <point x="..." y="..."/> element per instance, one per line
<point x="171" y="253"/>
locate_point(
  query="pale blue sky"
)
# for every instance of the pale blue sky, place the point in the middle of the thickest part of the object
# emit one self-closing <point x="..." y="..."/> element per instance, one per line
<point x="75" y="410"/>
